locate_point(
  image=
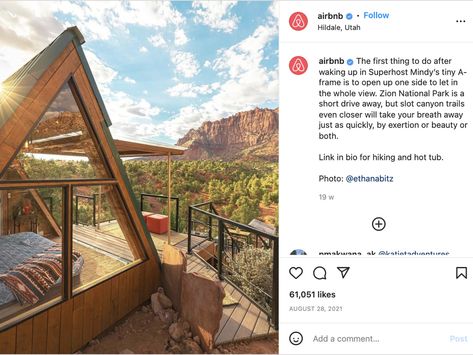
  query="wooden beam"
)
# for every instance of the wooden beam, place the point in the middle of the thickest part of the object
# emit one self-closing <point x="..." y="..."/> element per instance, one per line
<point x="38" y="199"/>
<point x="15" y="131"/>
<point x="98" y="124"/>
<point x="34" y="184"/>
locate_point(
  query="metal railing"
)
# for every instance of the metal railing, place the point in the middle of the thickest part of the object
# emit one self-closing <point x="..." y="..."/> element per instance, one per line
<point x="143" y="196"/>
<point x="93" y="200"/>
<point x="231" y="238"/>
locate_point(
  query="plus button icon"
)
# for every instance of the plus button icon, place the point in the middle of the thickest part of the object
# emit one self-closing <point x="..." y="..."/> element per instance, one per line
<point x="378" y="224"/>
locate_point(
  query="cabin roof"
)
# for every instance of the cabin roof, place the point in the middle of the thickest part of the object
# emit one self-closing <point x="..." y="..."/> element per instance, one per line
<point x="16" y="88"/>
<point x="263" y="227"/>
<point x="128" y="147"/>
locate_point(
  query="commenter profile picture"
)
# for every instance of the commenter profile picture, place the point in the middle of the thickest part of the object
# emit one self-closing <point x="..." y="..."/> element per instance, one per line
<point x="298" y="252"/>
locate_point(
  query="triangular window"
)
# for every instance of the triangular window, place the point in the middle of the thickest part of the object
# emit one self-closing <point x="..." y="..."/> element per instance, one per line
<point x="61" y="146"/>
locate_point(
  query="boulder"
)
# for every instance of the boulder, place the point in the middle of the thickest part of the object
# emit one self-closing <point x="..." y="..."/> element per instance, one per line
<point x="164" y="300"/>
<point x="201" y="306"/>
<point x="191" y="347"/>
<point x="174" y="264"/>
<point x="167" y="316"/>
<point x="177" y="331"/>
<point x="126" y="351"/>
<point x="155" y="304"/>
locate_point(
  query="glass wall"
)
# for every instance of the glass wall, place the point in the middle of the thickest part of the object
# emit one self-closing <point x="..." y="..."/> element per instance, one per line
<point x="31" y="266"/>
<point x="102" y="232"/>
<point x="36" y="217"/>
<point x="60" y="146"/>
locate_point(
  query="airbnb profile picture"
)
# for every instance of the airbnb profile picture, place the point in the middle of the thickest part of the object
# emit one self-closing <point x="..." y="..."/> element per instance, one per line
<point x="298" y="21"/>
<point x="298" y="65"/>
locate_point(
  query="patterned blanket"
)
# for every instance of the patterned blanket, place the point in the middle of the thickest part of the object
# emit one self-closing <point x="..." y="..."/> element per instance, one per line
<point x="32" y="279"/>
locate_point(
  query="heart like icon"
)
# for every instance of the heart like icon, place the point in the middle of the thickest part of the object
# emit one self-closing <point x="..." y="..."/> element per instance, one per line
<point x="296" y="272"/>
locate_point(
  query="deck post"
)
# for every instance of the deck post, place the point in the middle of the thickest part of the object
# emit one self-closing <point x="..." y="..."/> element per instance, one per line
<point x="221" y="241"/>
<point x="77" y="210"/>
<point x="275" y="289"/>
<point x="94" y="219"/>
<point x="189" y="230"/>
<point x="177" y="214"/>
<point x="169" y="198"/>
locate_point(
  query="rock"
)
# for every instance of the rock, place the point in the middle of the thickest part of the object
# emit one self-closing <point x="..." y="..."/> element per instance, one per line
<point x="196" y="339"/>
<point x="201" y="303"/>
<point x="145" y="309"/>
<point x="186" y="326"/>
<point x="252" y="133"/>
<point x="167" y="316"/>
<point x="176" y="349"/>
<point x="155" y="304"/>
<point x="189" y="335"/>
<point x="164" y="300"/>
<point x="126" y="351"/>
<point x="191" y="347"/>
<point x="177" y="331"/>
<point x="94" y="342"/>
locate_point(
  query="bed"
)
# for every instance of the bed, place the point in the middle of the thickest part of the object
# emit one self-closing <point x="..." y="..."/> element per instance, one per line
<point x="19" y="247"/>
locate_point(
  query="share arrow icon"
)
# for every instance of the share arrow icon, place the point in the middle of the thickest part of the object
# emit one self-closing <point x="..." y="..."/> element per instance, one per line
<point x="343" y="270"/>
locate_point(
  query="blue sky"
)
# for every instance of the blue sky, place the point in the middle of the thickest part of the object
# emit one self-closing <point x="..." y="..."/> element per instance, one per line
<point x="162" y="67"/>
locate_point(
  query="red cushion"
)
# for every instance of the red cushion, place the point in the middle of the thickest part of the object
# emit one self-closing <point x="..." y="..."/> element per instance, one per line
<point x="146" y="215"/>
<point x="157" y="223"/>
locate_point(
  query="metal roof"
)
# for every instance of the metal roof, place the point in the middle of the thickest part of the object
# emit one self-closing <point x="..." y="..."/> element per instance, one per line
<point x="263" y="227"/>
<point x="136" y="148"/>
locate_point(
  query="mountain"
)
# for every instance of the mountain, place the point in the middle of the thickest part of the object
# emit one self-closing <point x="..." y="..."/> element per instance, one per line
<point x="249" y="135"/>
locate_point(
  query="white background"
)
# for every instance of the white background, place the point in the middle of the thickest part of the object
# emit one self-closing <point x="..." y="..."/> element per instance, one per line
<point x="428" y="207"/>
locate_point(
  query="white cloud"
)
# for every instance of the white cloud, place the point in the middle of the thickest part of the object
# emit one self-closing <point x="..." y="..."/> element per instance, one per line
<point x="157" y="41"/>
<point x="190" y="90"/>
<point x="129" y="115"/>
<point x="186" y="64"/>
<point x="216" y="15"/>
<point x="246" y="55"/>
<point x="207" y="64"/>
<point x="129" y="80"/>
<point x="143" y="49"/>
<point x="145" y="92"/>
<point x="100" y="19"/>
<point x="103" y="74"/>
<point x="25" y="29"/>
<point x="248" y="83"/>
<point x="180" y="37"/>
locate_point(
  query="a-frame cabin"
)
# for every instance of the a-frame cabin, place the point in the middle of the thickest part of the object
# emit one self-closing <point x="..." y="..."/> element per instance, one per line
<point x="67" y="272"/>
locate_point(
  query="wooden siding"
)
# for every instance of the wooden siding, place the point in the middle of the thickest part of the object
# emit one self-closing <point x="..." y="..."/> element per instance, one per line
<point x="70" y="325"/>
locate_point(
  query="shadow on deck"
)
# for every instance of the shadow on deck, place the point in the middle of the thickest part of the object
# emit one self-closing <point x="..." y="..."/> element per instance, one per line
<point x="241" y="320"/>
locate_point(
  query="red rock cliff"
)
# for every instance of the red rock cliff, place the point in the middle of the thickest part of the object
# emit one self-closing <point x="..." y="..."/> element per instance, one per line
<point x="245" y="135"/>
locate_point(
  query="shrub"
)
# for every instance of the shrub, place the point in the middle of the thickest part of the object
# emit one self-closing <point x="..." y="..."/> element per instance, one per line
<point x="252" y="271"/>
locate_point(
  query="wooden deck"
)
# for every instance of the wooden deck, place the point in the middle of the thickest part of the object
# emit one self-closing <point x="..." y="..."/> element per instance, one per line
<point x="105" y="243"/>
<point x="241" y="321"/>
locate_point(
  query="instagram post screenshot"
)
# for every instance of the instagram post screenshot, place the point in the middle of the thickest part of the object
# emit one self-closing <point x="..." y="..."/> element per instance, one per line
<point x="236" y="177"/>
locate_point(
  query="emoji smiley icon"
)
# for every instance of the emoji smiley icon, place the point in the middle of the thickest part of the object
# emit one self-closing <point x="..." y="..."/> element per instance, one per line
<point x="295" y="338"/>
